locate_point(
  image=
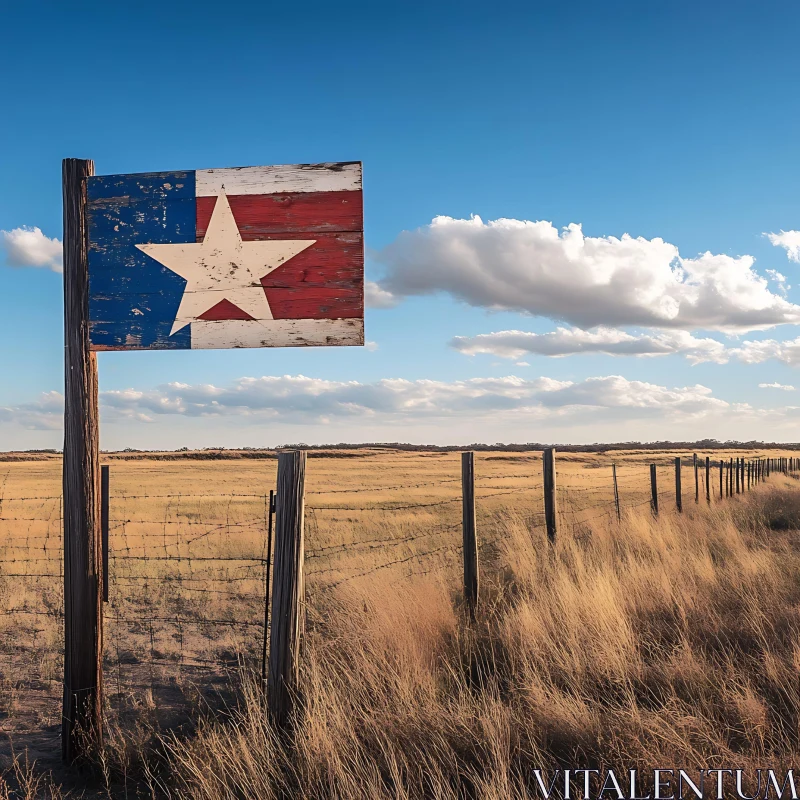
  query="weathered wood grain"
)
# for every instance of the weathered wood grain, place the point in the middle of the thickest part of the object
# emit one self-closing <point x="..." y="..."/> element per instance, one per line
<point x="288" y="588"/>
<point x="135" y="299"/>
<point x="325" y="177"/>
<point x="258" y="215"/>
<point x="83" y="569"/>
<point x="265" y="333"/>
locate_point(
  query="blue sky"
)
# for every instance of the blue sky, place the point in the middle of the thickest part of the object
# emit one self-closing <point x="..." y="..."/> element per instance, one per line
<point x="661" y="120"/>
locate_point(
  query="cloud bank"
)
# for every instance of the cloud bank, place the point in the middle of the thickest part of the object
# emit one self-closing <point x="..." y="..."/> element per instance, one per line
<point x="392" y="400"/>
<point x="607" y="341"/>
<point x="784" y="387"/>
<point x="29" y="247"/>
<point x="531" y="267"/>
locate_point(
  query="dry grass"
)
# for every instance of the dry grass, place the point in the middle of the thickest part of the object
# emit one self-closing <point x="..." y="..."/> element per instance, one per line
<point x="641" y="644"/>
<point x="669" y="644"/>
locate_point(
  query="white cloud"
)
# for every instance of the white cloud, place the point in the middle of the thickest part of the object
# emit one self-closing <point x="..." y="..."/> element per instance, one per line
<point x="391" y="400"/>
<point x="785" y="387"/>
<point x="562" y="342"/>
<point x="587" y="281"/>
<point x="789" y="241"/>
<point x="371" y="346"/>
<point x="29" y="247"/>
<point x="783" y="287"/>
<point x="756" y="352"/>
<point x="609" y="341"/>
<point x="377" y="297"/>
<point x="44" y="414"/>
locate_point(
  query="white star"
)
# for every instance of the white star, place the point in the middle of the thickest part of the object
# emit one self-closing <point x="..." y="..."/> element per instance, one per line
<point x="223" y="267"/>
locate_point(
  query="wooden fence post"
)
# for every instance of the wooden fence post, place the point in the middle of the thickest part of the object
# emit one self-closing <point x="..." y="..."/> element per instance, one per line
<point x="721" y="477"/>
<point x="708" y="480"/>
<point x="81" y="726"/>
<point x="267" y="571"/>
<point x="549" y="474"/>
<point x="469" y="533"/>
<point x="288" y="588"/>
<point x="738" y="489"/>
<point x="653" y="490"/>
<point x="616" y="491"/>
<point x="696" y="479"/>
<point x="678" y="492"/>
<point x="105" y="502"/>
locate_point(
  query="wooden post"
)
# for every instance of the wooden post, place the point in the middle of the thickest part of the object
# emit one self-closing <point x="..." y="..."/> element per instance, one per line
<point x="708" y="480"/>
<point x="653" y="490"/>
<point x="749" y="477"/>
<point x="738" y="489"/>
<point x="696" y="479"/>
<point x="81" y="728"/>
<point x="549" y="475"/>
<point x="469" y="533"/>
<point x="721" y="477"/>
<point x="288" y="588"/>
<point x="270" y="513"/>
<point x="104" y="515"/>
<point x="678" y="492"/>
<point x="730" y="478"/>
<point x="616" y="491"/>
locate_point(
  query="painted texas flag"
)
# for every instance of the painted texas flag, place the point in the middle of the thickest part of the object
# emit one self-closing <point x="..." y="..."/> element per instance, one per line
<point x="244" y="257"/>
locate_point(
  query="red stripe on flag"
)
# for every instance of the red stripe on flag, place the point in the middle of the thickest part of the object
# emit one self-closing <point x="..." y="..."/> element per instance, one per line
<point x="259" y="214"/>
<point x="325" y="281"/>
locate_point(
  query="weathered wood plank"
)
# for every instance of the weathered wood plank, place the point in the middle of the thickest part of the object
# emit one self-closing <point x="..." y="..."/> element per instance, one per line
<point x="325" y="177"/>
<point x="258" y="215"/>
<point x="141" y="297"/>
<point x="268" y="333"/>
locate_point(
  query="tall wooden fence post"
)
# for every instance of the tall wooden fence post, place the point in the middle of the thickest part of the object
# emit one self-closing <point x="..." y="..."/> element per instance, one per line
<point x="549" y="476"/>
<point x="708" y="480"/>
<point x="653" y="490"/>
<point x="616" y="491"/>
<point x="678" y="490"/>
<point x="468" y="529"/>
<point x="721" y="478"/>
<point x="81" y="727"/>
<point x="288" y="588"/>
<point x="696" y="479"/>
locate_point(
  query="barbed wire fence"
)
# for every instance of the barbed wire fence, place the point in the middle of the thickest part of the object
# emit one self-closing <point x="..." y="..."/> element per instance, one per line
<point x="188" y="573"/>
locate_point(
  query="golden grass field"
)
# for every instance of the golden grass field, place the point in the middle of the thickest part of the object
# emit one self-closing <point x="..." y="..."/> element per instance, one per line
<point x="671" y="639"/>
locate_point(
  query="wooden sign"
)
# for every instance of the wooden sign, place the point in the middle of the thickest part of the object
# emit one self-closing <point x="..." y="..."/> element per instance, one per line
<point x="217" y="258"/>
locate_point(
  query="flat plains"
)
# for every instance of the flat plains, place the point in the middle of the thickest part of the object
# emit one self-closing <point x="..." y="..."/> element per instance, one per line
<point x="188" y="557"/>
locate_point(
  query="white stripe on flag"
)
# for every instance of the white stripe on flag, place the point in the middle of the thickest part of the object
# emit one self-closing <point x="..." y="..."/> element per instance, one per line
<point x="220" y="334"/>
<point x="330" y="177"/>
